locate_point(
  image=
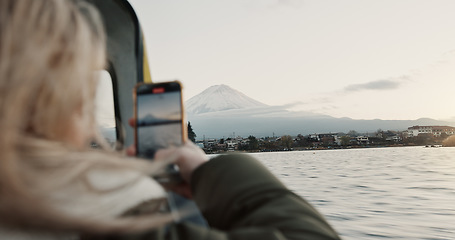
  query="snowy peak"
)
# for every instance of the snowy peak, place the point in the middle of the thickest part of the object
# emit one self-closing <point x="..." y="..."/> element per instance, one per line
<point x="220" y="98"/>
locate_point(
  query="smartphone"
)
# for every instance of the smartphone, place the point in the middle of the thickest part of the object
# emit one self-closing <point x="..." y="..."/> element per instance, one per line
<point x="159" y="117"/>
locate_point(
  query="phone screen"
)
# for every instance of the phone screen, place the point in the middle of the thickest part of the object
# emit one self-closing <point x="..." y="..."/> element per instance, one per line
<point x="159" y="120"/>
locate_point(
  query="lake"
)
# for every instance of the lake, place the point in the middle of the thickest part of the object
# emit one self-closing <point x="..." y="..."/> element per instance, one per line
<point x="375" y="193"/>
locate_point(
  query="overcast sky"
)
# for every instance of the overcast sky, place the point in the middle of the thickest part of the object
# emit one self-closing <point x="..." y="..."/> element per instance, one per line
<point x="364" y="59"/>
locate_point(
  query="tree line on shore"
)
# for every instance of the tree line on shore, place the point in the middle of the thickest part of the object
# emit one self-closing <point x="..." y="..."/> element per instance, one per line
<point x="352" y="139"/>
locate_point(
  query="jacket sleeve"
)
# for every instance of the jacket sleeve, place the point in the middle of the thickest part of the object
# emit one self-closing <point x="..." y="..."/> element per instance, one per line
<point x="239" y="196"/>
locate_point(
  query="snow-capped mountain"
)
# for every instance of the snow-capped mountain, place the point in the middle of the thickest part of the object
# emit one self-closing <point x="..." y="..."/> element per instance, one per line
<point x="219" y="98"/>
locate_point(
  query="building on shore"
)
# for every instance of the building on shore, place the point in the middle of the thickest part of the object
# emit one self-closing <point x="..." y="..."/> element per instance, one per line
<point x="436" y="131"/>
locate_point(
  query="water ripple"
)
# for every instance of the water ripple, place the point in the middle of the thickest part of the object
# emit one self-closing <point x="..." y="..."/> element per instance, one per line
<point x="383" y="193"/>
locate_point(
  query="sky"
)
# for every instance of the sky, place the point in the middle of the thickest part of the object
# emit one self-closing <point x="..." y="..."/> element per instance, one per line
<point x="363" y="59"/>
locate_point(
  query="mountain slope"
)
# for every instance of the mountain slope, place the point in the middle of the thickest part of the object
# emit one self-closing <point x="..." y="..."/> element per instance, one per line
<point x="220" y="98"/>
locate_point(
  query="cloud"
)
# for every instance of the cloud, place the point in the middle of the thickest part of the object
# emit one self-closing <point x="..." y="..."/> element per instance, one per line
<point x="264" y="111"/>
<point x="445" y="58"/>
<point x="290" y="105"/>
<point x="449" y="53"/>
<point x="374" y="85"/>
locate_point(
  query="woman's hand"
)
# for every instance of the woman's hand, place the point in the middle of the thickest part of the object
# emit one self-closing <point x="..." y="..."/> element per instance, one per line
<point x="189" y="157"/>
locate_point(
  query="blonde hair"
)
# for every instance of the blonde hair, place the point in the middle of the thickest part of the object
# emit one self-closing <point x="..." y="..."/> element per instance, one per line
<point x="48" y="52"/>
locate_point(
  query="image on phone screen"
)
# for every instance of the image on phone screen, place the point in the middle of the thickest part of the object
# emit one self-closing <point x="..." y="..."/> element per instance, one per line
<point x="159" y="120"/>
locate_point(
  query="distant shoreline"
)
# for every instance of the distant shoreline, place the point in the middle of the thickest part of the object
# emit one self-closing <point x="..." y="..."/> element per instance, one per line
<point x="321" y="148"/>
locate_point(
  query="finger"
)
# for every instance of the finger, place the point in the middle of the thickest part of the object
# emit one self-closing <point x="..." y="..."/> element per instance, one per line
<point x="132" y="122"/>
<point x="131" y="150"/>
<point x="182" y="189"/>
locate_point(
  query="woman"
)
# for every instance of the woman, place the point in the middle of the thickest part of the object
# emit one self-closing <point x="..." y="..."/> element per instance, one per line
<point x="53" y="186"/>
<point x="49" y="177"/>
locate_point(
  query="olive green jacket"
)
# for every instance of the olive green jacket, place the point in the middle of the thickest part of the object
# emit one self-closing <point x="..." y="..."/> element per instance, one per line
<point x="242" y="200"/>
